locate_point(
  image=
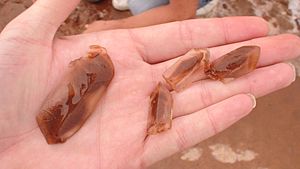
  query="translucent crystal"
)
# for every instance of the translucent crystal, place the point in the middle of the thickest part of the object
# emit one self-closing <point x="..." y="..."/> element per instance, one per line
<point x="188" y="69"/>
<point x="68" y="106"/>
<point x="160" y="113"/>
<point x="235" y="63"/>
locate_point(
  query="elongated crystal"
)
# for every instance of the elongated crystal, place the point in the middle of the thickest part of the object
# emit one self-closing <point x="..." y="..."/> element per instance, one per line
<point x="71" y="103"/>
<point x="235" y="63"/>
<point x="160" y="113"/>
<point x="188" y="69"/>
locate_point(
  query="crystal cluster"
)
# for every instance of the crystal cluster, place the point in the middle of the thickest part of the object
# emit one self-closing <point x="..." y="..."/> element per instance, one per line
<point x="192" y="67"/>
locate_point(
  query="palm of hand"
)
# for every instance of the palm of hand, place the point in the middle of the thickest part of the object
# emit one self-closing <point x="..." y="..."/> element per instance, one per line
<point x="118" y="125"/>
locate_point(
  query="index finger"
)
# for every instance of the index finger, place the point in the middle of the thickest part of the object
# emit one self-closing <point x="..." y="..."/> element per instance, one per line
<point x="163" y="42"/>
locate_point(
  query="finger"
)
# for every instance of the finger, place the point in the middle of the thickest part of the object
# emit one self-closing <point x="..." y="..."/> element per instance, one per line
<point x="42" y="19"/>
<point x="191" y="129"/>
<point x="163" y="42"/>
<point x="260" y="82"/>
<point x="274" y="49"/>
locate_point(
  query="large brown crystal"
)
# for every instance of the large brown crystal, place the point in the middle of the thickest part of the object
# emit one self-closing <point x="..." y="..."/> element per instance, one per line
<point x="234" y="64"/>
<point x="75" y="98"/>
<point x="160" y="113"/>
<point x="188" y="69"/>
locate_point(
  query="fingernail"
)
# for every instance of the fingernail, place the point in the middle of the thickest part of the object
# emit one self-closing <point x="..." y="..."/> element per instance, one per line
<point x="294" y="69"/>
<point x="253" y="100"/>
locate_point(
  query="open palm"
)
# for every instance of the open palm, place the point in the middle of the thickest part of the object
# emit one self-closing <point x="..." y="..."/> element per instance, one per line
<point x="32" y="62"/>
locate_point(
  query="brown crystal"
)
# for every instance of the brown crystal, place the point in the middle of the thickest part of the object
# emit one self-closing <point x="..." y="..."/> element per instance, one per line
<point x="67" y="108"/>
<point x="234" y="64"/>
<point x="160" y="113"/>
<point x="188" y="69"/>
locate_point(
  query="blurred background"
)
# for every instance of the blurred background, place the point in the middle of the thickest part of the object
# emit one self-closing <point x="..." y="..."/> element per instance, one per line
<point x="269" y="138"/>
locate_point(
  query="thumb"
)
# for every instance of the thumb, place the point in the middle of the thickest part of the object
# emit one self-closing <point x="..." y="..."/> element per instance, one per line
<point x="42" y="19"/>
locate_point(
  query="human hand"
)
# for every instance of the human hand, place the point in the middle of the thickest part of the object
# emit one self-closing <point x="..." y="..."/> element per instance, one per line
<point x="33" y="61"/>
